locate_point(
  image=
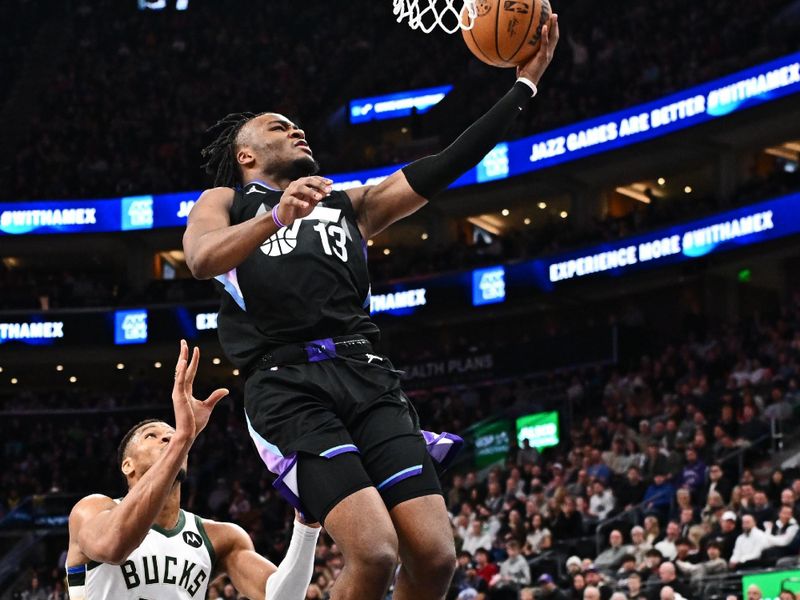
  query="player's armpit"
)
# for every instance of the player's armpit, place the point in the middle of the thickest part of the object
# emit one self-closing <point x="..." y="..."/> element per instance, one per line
<point x="237" y="557"/>
<point x="378" y="206"/>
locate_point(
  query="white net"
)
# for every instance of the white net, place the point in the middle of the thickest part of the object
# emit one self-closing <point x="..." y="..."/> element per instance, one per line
<point x="442" y="13"/>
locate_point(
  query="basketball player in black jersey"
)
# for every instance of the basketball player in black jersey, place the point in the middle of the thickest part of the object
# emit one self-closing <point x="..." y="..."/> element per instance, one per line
<point x="325" y="411"/>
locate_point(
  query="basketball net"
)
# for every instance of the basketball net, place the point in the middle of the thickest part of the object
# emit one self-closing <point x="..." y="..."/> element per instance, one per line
<point x="435" y="13"/>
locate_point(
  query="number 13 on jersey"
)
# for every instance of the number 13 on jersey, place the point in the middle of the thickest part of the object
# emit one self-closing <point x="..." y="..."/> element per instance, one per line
<point x="332" y="232"/>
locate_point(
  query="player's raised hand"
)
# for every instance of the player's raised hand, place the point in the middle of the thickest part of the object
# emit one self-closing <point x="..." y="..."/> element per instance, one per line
<point x="301" y="196"/>
<point x="191" y="414"/>
<point x="536" y="66"/>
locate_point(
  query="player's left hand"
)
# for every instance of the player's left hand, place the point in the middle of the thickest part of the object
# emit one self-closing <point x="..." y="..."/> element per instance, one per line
<point x="183" y="395"/>
<point x="536" y="66"/>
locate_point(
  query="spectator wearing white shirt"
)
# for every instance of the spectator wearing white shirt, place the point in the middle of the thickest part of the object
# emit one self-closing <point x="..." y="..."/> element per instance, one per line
<point x="749" y="545"/>
<point x="782" y="533"/>
<point x="476" y="537"/>
<point x="602" y="501"/>
<point x="667" y="546"/>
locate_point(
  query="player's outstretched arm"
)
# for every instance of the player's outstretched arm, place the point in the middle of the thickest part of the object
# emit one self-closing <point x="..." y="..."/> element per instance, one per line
<point x="407" y="190"/>
<point x="213" y="246"/>
<point x="253" y="575"/>
<point x="104" y="531"/>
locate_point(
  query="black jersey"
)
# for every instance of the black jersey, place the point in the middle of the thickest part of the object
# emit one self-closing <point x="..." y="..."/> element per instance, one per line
<point x="308" y="281"/>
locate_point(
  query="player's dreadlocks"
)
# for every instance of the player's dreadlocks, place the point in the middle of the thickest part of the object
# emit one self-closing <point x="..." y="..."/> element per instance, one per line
<point x="220" y="155"/>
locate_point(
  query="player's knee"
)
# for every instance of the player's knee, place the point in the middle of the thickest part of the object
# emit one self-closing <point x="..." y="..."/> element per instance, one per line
<point x="379" y="559"/>
<point x="433" y="563"/>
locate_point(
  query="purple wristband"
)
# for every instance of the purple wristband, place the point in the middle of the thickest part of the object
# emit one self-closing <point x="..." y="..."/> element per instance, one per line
<point x="275" y="217"/>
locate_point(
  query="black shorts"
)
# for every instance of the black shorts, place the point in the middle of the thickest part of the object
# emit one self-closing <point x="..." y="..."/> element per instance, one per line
<point x="332" y="427"/>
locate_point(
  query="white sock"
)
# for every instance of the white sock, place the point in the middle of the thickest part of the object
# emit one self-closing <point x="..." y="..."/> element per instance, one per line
<point x="291" y="580"/>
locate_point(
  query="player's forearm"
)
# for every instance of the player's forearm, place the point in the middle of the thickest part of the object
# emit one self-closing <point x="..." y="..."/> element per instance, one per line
<point x="124" y="527"/>
<point x="433" y="174"/>
<point x="219" y="251"/>
<point x="294" y="573"/>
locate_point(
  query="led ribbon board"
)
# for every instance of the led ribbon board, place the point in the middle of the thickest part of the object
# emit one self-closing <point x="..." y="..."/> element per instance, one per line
<point x="752" y="87"/>
<point x="394" y="106"/>
<point x="725" y="231"/>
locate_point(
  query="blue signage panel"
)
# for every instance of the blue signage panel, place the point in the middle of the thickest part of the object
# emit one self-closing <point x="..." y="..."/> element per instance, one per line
<point x="725" y="231"/>
<point x="488" y="286"/>
<point x="393" y="106"/>
<point x="130" y="327"/>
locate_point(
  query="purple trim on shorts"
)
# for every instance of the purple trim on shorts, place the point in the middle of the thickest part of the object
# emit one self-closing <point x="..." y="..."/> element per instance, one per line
<point x="317" y="354"/>
<point x="442" y="447"/>
<point x="400" y="476"/>
<point x="286" y="484"/>
<point x="337" y="450"/>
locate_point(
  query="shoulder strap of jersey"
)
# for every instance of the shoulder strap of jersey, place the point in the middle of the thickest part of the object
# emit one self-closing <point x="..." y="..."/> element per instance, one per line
<point x="206" y="540"/>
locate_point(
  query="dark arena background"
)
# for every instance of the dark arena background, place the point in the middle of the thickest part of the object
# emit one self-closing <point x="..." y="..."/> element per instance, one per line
<point x="606" y="308"/>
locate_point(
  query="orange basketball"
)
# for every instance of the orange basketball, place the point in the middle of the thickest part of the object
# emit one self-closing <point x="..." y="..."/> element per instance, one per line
<point x="507" y="33"/>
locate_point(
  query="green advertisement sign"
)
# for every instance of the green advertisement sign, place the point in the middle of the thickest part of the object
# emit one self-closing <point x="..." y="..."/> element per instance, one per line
<point x="772" y="584"/>
<point x="540" y="428"/>
<point x="492" y="442"/>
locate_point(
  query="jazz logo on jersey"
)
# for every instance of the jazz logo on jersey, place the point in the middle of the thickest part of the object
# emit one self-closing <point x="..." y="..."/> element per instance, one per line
<point x="333" y="236"/>
<point x="193" y="539"/>
<point x="165" y="570"/>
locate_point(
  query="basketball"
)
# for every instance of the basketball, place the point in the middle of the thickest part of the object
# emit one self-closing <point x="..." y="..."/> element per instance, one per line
<point x="506" y="33"/>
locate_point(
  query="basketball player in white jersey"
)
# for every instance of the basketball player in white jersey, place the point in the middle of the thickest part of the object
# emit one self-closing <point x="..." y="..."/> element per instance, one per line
<point x="144" y="547"/>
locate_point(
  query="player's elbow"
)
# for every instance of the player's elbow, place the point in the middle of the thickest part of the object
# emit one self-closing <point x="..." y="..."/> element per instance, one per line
<point x="110" y="551"/>
<point x="198" y="261"/>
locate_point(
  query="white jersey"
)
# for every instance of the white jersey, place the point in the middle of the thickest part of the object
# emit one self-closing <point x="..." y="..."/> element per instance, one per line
<point x="173" y="564"/>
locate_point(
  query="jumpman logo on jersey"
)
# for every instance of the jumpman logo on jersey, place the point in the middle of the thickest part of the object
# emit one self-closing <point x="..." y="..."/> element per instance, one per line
<point x="371" y="357"/>
<point x="254" y="190"/>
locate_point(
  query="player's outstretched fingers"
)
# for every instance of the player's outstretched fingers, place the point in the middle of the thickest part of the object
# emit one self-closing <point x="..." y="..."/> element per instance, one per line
<point x="191" y="371"/>
<point x="180" y="367"/>
<point x="215" y="397"/>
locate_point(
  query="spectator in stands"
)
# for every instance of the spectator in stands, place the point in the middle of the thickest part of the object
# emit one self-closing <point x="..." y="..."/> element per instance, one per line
<point x="631" y="491"/>
<point x="667" y="546"/>
<point x="713" y="566"/>
<point x="655" y="463"/>
<point x="639" y="545"/>
<point x="539" y="537"/>
<point x="514" y="571"/>
<point x="725" y="534"/>
<point x="668" y="577"/>
<point x="749" y="545"/>
<point x="567" y="524"/>
<point x="602" y="501"/>
<point x="484" y="566"/>
<point x="634" y="587"/>
<point x="595" y="579"/>
<point x="478" y="536"/>
<point x="610" y="559"/>
<point x="783" y="536"/>
<point x="658" y="497"/>
<point x="754" y="592"/>
<point x="592" y="593"/>
<point x="34" y="590"/>
<point x="616" y="458"/>
<point x="652" y="562"/>
<point x="548" y="590"/>
<point x="694" y="472"/>
<point x="597" y="469"/>
<point x="761" y="509"/>
<point x="686" y="522"/>
<point x="652" y="529"/>
<point x="578" y="587"/>
<point x="527" y="454"/>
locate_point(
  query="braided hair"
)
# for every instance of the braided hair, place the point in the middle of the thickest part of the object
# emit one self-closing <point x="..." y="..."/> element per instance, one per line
<point x="220" y="154"/>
